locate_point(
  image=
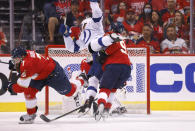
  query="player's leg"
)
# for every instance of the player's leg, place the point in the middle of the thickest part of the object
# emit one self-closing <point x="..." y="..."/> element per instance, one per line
<point x="31" y="106"/>
<point x="94" y="74"/>
<point x="110" y="99"/>
<point x="114" y="76"/>
<point x="125" y="73"/>
<point x="90" y="95"/>
<point x="96" y="11"/>
<point x="105" y="41"/>
<point x="108" y="81"/>
<point x="58" y="81"/>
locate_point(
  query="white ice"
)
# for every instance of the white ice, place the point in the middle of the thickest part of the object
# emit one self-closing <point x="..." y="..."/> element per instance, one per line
<point x="156" y="121"/>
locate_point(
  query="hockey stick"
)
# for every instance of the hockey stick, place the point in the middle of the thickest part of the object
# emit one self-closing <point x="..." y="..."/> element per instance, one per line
<point x="46" y="119"/>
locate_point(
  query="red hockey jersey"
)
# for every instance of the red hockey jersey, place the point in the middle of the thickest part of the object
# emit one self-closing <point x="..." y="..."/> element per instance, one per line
<point x="34" y="66"/>
<point x="117" y="54"/>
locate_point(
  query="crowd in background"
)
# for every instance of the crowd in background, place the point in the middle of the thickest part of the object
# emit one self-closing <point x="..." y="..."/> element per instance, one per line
<point x="163" y="25"/>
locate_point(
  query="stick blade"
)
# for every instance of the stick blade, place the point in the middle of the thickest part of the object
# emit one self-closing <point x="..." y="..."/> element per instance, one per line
<point x="44" y="118"/>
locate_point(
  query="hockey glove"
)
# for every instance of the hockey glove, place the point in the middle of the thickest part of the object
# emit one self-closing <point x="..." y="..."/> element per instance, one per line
<point x="11" y="65"/>
<point x="101" y="56"/>
<point x="10" y="87"/>
<point x="64" y="30"/>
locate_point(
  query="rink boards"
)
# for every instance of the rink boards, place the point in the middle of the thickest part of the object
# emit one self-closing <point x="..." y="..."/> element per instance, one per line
<point x="172" y="84"/>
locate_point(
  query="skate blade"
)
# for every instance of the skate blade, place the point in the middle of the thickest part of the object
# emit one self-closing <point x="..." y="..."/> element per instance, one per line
<point x="30" y="122"/>
<point x="98" y="117"/>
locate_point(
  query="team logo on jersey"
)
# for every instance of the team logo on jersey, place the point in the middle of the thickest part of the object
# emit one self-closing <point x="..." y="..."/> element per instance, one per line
<point x="23" y="74"/>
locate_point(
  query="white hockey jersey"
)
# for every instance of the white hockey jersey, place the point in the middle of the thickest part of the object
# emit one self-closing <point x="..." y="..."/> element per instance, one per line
<point x="93" y="29"/>
<point x="174" y="47"/>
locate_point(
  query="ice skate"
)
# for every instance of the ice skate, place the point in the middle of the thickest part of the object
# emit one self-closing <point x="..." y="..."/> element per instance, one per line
<point x="100" y="112"/>
<point x="77" y="100"/>
<point x="87" y="106"/>
<point x="27" y="119"/>
<point x="119" y="110"/>
<point x="95" y="107"/>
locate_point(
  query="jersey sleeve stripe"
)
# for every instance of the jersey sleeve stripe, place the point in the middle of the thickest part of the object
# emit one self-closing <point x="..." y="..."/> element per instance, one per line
<point x="84" y="36"/>
<point x="89" y="36"/>
<point x="76" y="47"/>
<point x="100" y="42"/>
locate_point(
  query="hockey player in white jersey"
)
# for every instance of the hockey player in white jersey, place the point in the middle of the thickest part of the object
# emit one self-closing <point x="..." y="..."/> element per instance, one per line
<point x="92" y="33"/>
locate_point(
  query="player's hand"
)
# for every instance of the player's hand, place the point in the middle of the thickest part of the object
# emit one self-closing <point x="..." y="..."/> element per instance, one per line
<point x="11" y="65"/>
<point x="10" y="87"/>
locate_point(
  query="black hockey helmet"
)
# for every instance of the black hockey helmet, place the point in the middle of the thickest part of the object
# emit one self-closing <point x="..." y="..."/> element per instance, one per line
<point x="117" y="27"/>
<point x="18" y="52"/>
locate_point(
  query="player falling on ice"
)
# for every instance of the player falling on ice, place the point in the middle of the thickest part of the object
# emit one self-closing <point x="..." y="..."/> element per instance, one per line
<point x="91" y="32"/>
<point x="35" y="72"/>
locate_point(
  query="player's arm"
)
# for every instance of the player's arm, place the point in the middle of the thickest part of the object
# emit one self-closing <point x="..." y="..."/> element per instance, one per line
<point x="21" y="85"/>
<point x="71" y="44"/>
<point x="113" y="48"/>
<point x="27" y="73"/>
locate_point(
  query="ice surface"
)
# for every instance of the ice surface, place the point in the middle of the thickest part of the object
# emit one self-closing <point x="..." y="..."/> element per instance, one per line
<point x="157" y="121"/>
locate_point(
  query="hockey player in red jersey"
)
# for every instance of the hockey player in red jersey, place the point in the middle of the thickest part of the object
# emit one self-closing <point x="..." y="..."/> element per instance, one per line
<point x="85" y="67"/>
<point x="116" y="67"/>
<point x="35" y="72"/>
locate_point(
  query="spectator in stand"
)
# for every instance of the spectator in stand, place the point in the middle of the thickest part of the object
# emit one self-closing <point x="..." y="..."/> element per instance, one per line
<point x="172" y="44"/>
<point x="121" y="11"/>
<point x="182" y="29"/>
<point x="168" y="13"/>
<point x="73" y="14"/>
<point x="137" y="5"/>
<point x="182" y="5"/>
<point x="130" y="24"/>
<point x="145" y="16"/>
<point x="84" y="6"/>
<point x="51" y="19"/>
<point x="158" y="4"/>
<point x="63" y="7"/>
<point x="148" y="40"/>
<point x="157" y="26"/>
<point x="110" y="6"/>
<point x="54" y="13"/>
<point x="3" y="41"/>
